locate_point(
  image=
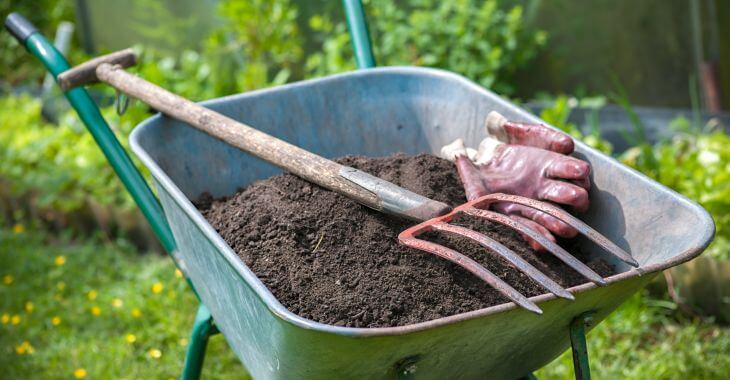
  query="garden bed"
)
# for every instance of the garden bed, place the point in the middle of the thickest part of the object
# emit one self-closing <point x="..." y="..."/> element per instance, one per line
<point x="328" y="259"/>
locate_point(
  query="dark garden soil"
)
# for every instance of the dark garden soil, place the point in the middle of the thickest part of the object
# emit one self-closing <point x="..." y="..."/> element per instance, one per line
<point x="328" y="259"/>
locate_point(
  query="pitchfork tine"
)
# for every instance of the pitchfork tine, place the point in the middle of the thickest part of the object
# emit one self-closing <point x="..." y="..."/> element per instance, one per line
<point x="473" y="267"/>
<point x="548" y="244"/>
<point x="507" y="254"/>
<point x="574" y="222"/>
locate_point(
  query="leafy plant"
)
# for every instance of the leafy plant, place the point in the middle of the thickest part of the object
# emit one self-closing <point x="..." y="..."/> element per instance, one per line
<point x="477" y="39"/>
<point x="60" y="167"/>
<point x="257" y="45"/>
<point x="14" y="67"/>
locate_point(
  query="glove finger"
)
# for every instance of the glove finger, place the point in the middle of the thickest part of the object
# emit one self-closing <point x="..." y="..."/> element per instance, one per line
<point x="565" y="193"/>
<point x="540" y="229"/>
<point x="552" y="224"/>
<point x="539" y="136"/>
<point x="568" y="168"/>
<point x="534" y="135"/>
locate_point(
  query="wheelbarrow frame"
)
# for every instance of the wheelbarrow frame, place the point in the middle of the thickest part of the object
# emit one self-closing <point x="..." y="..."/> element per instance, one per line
<point x="118" y="158"/>
<point x="204" y="325"/>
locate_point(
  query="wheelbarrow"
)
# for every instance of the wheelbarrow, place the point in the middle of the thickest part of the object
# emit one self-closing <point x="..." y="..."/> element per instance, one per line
<point x="384" y="110"/>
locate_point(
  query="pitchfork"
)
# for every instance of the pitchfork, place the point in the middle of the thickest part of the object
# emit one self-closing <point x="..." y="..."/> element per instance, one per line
<point x="364" y="188"/>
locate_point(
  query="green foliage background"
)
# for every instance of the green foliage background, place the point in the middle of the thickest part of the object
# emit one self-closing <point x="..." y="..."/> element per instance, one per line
<point x="14" y="60"/>
<point x="477" y="39"/>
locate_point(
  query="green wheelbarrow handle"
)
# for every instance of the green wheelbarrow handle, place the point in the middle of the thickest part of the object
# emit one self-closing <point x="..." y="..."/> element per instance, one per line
<point x="358" y="26"/>
<point x="29" y="36"/>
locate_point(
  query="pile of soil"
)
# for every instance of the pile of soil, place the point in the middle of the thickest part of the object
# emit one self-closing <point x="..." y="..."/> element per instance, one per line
<point x="331" y="260"/>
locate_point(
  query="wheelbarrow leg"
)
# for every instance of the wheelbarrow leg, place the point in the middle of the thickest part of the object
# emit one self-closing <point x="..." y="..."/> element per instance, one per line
<point x="203" y="328"/>
<point x="580" y="348"/>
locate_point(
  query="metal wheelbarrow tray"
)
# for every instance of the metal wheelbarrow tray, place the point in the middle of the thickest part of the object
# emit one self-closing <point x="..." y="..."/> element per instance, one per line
<point x="377" y="112"/>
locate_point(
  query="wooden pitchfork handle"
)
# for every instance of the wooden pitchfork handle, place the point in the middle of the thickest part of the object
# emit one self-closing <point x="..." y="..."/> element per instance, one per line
<point x="364" y="188"/>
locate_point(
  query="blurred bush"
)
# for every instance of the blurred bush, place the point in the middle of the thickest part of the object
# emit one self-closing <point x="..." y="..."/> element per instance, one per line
<point x="558" y="113"/>
<point x="46" y="15"/>
<point x="695" y="163"/>
<point x="59" y="164"/>
<point x="478" y="39"/>
<point x="56" y="177"/>
<point x="257" y="45"/>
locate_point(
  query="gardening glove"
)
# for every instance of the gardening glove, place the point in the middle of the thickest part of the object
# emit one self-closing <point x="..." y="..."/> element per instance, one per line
<point x="533" y="172"/>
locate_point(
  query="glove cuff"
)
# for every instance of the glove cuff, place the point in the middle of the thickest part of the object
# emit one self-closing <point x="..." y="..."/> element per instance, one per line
<point x="494" y="124"/>
<point x="457" y="148"/>
<point x="487" y="150"/>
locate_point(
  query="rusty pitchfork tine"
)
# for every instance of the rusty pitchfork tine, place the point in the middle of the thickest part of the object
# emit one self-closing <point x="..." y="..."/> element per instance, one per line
<point x="548" y="244"/>
<point x="440" y="223"/>
<point x="564" y="216"/>
<point x="472" y="266"/>
<point x="507" y="254"/>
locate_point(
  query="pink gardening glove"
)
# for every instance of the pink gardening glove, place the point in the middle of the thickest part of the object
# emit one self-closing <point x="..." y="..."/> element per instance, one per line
<point x="532" y="163"/>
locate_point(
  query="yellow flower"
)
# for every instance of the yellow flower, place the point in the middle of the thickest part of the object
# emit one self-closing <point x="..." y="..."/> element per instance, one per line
<point x="15" y="319"/>
<point x="24" y="348"/>
<point x="80" y="373"/>
<point x="95" y="311"/>
<point x="183" y="342"/>
<point x="29" y="307"/>
<point x="136" y="313"/>
<point x="61" y="285"/>
<point x="8" y="279"/>
<point x="92" y="294"/>
<point x="155" y="353"/>
<point x="178" y="274"/>
<point x="56" y="320"/>
<point x="117" y="302"/>
<point x="18" y="228"/>
<point x="5" y="318"/>
<point x="59" y="260"/>
<point x="157" y="287"/>
<point x="130" y="338"/>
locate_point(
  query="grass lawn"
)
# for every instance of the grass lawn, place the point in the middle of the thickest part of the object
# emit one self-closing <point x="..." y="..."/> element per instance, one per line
<point x="100" y="309"/>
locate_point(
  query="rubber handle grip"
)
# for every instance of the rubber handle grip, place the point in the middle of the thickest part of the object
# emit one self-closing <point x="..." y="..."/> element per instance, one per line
<point x="19" y="27"/>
